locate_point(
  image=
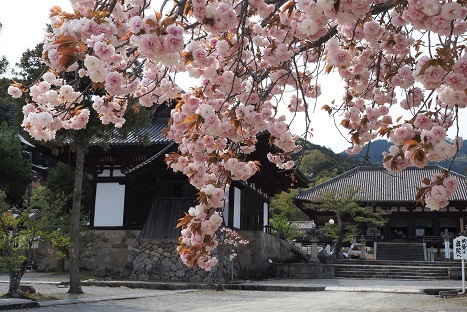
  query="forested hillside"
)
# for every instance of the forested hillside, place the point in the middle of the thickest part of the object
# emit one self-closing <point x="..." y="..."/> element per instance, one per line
<point x="376" y="149"/>
<point x="321" y="164"/>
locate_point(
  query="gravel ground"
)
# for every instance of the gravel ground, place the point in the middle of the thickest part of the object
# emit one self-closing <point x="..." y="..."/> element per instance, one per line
<point x="258" y="301"/>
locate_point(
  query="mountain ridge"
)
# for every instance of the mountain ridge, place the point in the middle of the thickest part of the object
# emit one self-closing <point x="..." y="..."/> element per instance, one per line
<point x="377" y="147"/>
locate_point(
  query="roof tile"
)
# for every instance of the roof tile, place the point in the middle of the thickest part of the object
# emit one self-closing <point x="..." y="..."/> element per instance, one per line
<point x="379" y="185"/>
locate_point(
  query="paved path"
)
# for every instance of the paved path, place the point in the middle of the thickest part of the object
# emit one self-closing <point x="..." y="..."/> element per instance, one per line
<point x="51" y="284"/>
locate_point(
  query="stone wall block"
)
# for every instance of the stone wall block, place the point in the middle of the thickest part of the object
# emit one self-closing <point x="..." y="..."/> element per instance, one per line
<point x="166" y="262"/>
<point x="143" y="277"/>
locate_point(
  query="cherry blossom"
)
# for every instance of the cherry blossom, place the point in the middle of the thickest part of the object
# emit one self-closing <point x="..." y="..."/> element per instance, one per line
<point x="247" y="63"/>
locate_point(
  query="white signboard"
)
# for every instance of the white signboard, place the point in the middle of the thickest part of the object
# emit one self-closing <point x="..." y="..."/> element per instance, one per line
<point x="447" y="251"/>
<point x="459" y="246"/>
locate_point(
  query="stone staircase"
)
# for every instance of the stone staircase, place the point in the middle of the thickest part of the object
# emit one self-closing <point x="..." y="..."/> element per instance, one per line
<point x="405" y="251"/>
<point x="397" y="269"/>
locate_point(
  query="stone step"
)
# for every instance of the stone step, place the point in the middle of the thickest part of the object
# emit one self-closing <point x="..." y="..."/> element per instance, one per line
<point x="394" y="275"/>
<point x="379" y="276"/>
<point x="398" y="263"/>
<point x="389" y="267"/>
<point x="400" y="251"/>
<point x="355" y="272"/>
<point x="395" y="270"/>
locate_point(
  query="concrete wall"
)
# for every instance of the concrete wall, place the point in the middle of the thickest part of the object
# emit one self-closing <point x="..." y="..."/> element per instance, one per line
<point x="256" y="259"/>
<point x="268" y="256"/>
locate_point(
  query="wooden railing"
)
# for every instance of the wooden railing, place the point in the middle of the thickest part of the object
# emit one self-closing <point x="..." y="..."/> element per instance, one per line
<point x="433" y="239"/>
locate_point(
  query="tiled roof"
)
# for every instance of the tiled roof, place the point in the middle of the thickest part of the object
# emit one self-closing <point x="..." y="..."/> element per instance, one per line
<point x="150" y="134"/>
<point x="379" y="185"/>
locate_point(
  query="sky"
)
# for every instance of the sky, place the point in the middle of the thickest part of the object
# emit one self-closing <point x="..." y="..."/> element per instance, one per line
<point x="24" y="24"/>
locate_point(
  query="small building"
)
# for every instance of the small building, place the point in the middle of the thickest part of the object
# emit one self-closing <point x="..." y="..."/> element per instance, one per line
<point x="394" y="194"/>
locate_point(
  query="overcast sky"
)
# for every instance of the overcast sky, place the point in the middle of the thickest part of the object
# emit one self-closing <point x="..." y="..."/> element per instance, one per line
<point x="24" y="24"/>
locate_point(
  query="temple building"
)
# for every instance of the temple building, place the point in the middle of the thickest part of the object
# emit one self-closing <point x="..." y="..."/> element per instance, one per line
<point x="138" y="201"/>
<point x="393" y="193"/>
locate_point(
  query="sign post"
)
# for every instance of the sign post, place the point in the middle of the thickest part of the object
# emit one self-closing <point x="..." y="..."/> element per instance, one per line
<point x="460" y="252"/>
<point x="447" y="250"/>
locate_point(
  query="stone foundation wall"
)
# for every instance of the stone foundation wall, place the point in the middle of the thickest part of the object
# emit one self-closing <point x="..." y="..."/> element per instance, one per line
<point x="46" y="259"/>
<point x="119" y="254"/>
<point x="109" y="255"/>
<point x="159" y="260"/>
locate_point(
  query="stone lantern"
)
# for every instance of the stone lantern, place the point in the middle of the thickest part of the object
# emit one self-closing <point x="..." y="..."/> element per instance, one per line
<point x="312" y="236"/>
<point x="363" y="247"/>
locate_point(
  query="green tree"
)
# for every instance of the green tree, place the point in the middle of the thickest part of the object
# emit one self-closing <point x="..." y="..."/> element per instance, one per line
<point x="29" y="69"/>
<point x="8" y="105"/>
<point x="30" y="66"/>
<point x="318" y="163"/>
<point x="348" y="212"/>
<point x="283" y="213"/>
<point x="61" y="178"/>
<point x="3" y="60"/>
<point x="15" y="172"/>
<point x="322" y="164"/>
<point x="21" y="232"/>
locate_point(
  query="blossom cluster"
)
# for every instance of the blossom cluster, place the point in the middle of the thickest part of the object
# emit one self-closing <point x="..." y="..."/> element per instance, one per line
<point x="47" y="113"/>
<point x="201" y="238"/>
<point x="107" y="67"/>
<point x="384" y="68"/>
<point x="438" y="189"/>
<point x="249" y="61"/>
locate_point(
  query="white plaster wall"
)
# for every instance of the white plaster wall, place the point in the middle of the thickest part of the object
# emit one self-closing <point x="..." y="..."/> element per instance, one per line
<point x="117" y="173"/>
<point x="265" y="215"/>
<point x="110" y="200"/>
<point x="105" y="173"/>
<point x="226" y="209"/>
<point x="237" y="198"/>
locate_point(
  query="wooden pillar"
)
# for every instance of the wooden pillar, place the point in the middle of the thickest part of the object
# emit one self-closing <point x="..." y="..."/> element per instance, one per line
<point x="411" y="226"/>
<point x="436" y="224"/>
<point x="386" y="231"/>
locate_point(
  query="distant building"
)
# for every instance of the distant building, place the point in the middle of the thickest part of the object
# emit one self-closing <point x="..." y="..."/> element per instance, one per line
<point x="394" y="194"/>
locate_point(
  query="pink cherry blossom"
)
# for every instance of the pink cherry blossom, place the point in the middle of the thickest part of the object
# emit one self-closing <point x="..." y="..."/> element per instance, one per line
<point x="14" y="92"/>
<point x="248" y="62"/>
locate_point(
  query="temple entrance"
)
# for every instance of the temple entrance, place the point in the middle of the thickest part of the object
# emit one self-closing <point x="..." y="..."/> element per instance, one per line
<point x="399" y="228"/>
<point x="399" y="232"/>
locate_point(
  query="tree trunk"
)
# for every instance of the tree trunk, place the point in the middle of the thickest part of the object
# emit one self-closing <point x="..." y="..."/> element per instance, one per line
<point x="75" y="282"/>
<point x="220" y="267"/>
<point x="14" y="290"/>
<point x="340" y="233"/>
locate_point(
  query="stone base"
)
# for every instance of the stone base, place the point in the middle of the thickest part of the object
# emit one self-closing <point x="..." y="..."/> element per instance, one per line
<point x="304" y="270"/>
